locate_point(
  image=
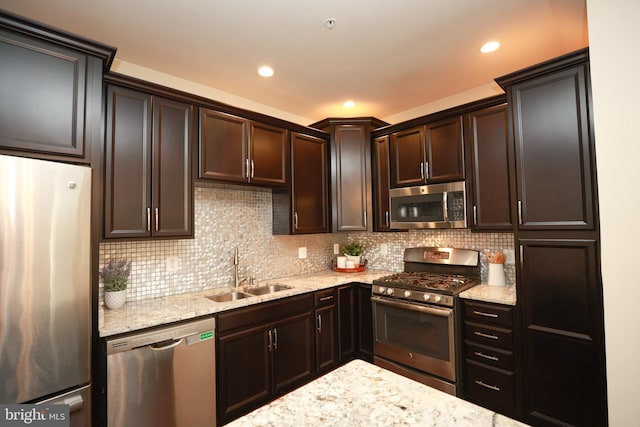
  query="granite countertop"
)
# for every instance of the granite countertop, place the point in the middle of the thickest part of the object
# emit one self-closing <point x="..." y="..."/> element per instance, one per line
<point x="362" y="394"/>
<point x="489" y="293"/>
<point x="159" y="311"/>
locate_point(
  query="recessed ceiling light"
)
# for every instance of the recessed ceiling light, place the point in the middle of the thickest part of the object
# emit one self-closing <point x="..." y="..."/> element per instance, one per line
<point x="265" y="71"/>
<point x="490" y="46"/>
<point x="349" y="104"/>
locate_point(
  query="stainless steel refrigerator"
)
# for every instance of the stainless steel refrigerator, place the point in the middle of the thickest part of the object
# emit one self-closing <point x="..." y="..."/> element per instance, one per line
<point x="45" y="284"/>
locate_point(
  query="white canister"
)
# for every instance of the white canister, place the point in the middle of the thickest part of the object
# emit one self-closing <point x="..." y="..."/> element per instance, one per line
<point x="342" y="262"/>
<point x="496" y="275"/>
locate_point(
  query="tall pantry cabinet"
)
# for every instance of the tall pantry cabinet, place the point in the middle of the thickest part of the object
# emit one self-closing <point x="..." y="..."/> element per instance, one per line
<point x="557" y="242"/>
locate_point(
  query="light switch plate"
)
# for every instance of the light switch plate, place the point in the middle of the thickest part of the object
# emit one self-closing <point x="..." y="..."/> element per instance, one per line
<point x="302" y="252"/>
<point x="172" y="263"/>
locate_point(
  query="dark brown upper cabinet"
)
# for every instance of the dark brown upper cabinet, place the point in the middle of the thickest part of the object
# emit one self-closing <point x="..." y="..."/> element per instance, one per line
<point x="305" y="208"/>
<point x="427" y="154"/>
<point x="554" y="153"/>
<point x="351" y="192"/>
<point x="487" y="153"/>
<point x="381" y="219"/>
<point x="50" y="91"/>
<point x="148" y="160"/>
<point x="235" y="149"/>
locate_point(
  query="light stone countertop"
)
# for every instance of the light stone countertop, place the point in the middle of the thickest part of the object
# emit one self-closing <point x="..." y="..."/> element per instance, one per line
<point x="362" y="394"/>
<point x="159" y="311"/>
<point x="489" y="293"/>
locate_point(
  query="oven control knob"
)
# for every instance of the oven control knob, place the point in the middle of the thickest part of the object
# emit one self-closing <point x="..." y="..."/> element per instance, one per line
<point x="390" y="291"/>
<point x="437" y="298"/>
<point x="407" y="294"/>
<point x="382" y="289"/>
<point x="426" y="297"/>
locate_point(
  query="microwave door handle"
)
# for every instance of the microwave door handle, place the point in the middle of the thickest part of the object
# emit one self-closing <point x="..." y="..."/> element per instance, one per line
<point x="445" y="204"/>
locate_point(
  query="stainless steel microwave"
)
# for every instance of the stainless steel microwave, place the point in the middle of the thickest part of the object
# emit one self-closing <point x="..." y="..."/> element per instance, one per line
<point x="429" y="206"/>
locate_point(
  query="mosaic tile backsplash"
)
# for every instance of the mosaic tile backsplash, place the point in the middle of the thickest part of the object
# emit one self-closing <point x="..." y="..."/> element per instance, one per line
<point x="229" y="216"/>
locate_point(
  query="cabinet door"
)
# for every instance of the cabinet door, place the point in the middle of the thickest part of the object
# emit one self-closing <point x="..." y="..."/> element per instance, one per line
<point x="365" y="321"/>
<point x="309" y="185"/>
<point x="562" y="314"/>
<point x="326" y="337"/>
<point x="43" y="89"/>
<point x="292" y="352"/>
<point x="269" y="157"/>
<point x="347" y="322"/>
<point x="487" y="151"/>
<point x="223" y="146"/>
<point x="172" y="173"/>
<point x="445" y="155"/>
<point x="407" y="156"/>
<point x="381" y="184"/>
<point x="350" y="174"/>
<point x="243" y="372"/>
<point x="128" y="164"/>
<point x="553" y="151"/>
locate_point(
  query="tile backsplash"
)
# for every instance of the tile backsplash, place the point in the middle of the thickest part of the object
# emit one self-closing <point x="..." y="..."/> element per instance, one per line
<point x="228" y="216"/>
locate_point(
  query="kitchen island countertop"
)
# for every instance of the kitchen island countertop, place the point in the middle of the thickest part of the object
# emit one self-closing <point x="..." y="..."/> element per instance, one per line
<point x="362" y="394"/>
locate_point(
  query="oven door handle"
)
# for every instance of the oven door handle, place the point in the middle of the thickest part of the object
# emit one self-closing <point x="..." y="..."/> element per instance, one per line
<point x="442" y="312"/>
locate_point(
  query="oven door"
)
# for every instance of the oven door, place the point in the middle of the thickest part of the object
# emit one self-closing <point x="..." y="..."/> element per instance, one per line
<point x="418" y="336"/>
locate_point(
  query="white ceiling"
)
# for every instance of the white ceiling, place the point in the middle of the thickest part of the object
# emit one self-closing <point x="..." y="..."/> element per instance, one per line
<point x="388" y="56"/>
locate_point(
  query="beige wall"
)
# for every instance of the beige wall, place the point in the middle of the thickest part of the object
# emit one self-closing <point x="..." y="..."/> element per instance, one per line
<point x="614" y="33"/>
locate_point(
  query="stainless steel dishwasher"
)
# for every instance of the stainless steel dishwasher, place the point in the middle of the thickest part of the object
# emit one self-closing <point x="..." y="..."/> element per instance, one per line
<point x="163" y="378"/>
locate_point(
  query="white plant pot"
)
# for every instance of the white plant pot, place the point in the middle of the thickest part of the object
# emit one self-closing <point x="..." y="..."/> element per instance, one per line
<point x="115" y="299"/>
<point x="355" y="259"/>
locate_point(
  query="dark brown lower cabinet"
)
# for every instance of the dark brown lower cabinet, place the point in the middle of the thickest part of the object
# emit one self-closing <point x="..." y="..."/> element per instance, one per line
<point x="365" y="322"/>
<point x="263" y="351"/>
<point x="355" y="322"/>
<point x="489" y="371"/>
<point x="326" y="318"/>
<point x="560" y="295"/>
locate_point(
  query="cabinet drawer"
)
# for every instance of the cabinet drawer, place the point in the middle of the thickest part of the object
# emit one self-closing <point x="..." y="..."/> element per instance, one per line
<point x="495" y="387"/>
<point x="489" y="336"/>
<point x="325" y="297"/>
<point x="489" y="355"/>
<point x="495" y="315"/>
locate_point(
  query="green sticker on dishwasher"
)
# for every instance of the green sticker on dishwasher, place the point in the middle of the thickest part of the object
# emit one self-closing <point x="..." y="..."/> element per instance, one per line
<point x="206" y="335"/>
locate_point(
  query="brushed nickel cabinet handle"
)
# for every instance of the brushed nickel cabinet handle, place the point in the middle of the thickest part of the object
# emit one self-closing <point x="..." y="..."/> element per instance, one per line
<point x="270" y="345"/>
<point x="520" y="212"/>
<point x="364" y="215"/>
<point x="275" y="339"/>
<point x="295" y="220"/>
<point x="482" y="334"/>
<point x="426" y="170"/>
<point x="246" y="169"/>
<point x="148" y="219"/>
<point x="253" y="169"/>
<point x="492" y="387"/>
<point x="319" y="323"/>
<point x="482" y="313"/>
<point x="386" y="219"/>
<point x="156" y="214"/>
<point x="486" y="356"/>
<point x="475" y="215"/>
<point x="327" y="298"/>
<point x="521" y="257"/>
<point x="422" y="171"/>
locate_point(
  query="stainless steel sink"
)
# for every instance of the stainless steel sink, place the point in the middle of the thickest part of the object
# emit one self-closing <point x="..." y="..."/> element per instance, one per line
<point x="228" y="296"/>
<point x="267" y="289"/>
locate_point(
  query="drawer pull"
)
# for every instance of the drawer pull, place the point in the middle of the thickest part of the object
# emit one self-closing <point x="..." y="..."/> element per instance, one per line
<point x="491" y="387"/>
<point x="482" y="313"/>
<point x="481" y="334"/>
<point x="327" y="298"/>
<point x="486" y="356"/>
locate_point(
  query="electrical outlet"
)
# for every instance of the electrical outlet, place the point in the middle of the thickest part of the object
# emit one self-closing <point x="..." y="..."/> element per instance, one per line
<point x="302" y="252"/>
<point x="510" y="256"/>
<point x="383" y="249"/>
<point x="336" y="248"/>
<point x="172" y="264"/>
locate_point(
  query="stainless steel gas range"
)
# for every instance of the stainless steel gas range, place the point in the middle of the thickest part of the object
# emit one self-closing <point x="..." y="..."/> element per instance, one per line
<point x="417" y="317"/>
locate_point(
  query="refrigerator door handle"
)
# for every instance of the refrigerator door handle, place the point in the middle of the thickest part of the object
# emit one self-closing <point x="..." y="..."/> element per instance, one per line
<point x="75" y="403"/>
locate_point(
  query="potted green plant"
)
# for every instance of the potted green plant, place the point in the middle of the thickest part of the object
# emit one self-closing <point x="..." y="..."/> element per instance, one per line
<point x="115" y="276"/>
<point x="353" y="251"/>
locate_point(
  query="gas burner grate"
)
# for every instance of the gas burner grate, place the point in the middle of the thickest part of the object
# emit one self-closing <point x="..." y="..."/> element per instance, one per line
<point x="449" y="283"/>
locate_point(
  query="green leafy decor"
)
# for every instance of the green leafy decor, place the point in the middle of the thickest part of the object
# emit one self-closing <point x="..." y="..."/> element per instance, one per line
<point x="115" y="275"/>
